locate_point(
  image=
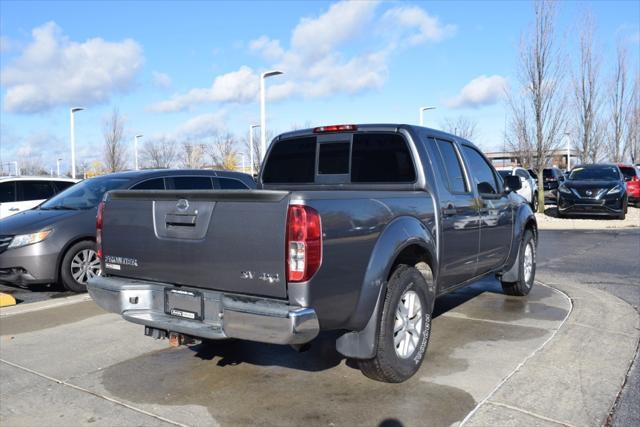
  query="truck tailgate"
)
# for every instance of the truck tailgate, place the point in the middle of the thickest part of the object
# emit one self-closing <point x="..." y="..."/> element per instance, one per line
<point x="229" y="241"/>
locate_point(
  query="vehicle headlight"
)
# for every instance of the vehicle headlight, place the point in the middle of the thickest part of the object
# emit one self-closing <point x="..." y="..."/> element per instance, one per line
<point x="563" y="189"/>
<point x="615" y="190"/>
<point x="28" y="239"/>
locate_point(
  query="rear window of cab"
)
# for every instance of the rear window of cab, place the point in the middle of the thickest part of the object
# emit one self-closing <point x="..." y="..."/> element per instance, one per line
<point x="349" y="158"/>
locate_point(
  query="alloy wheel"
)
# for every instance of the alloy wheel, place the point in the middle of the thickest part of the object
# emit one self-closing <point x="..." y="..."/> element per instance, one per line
<point x="407" y="328"/>
<point x="85" y="265"/>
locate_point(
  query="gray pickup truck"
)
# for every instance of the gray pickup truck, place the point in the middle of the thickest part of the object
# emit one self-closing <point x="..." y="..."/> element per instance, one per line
<point x="355" y="228"/>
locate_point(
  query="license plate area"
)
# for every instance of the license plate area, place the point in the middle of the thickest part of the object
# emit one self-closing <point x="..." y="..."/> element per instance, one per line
<point x="184" y="304"/>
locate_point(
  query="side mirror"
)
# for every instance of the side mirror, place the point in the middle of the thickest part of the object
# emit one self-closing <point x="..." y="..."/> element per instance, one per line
<point x="512" y="183"/>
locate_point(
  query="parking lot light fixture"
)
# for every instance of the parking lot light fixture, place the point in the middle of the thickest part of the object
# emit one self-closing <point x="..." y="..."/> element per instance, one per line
<point x="135" y="148"/>
<point x="421" y="113"/>
<point x="251" y="150"/>
<point x="72" y="135"/>
<point x="263" y="119"/>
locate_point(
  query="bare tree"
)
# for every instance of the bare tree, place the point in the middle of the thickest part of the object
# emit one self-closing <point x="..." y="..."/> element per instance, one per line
<point x="159" y="153"/>
<point x="461" y="126"/>
<point x="542" y="109"/>
<point x="519" y="135"/>
<point x="223" y="152"/>
<point x="587" y="98"/>
<point x="192" y="155"/>
<point x="114" y="149"/>
<point x="256" y="148"/>
<point x="619" y="105"/>
<point x="632" y="143"/>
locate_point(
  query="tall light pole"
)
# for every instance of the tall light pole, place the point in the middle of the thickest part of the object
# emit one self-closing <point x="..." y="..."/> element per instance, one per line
<point x="58" y="166"/>
<point x="72" y="132"/>
<point x="421" y="111"/>
<point x="263" y="113"/>
<point x="568" y="135"/>
<point x="135" y="148"/>
<point x="251" y="127"/>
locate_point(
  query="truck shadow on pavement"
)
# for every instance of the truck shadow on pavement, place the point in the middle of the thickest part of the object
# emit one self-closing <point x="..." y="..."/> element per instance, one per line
<point x="240" y="382"/>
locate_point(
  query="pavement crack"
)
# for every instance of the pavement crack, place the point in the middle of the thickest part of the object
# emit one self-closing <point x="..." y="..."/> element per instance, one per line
<point x="98" y="395"/>
<point x="533" y="414"/>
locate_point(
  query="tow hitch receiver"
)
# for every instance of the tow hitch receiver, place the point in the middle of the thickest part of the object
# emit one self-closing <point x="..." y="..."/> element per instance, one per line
<point x="175" y="339"/>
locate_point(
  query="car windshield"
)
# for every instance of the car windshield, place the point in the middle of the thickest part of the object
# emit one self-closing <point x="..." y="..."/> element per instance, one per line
<point x="548" y="173"/>
<point x="504" y="173"/>
<point x="84" y="195"/>
<point x="604" y="173"/>
<point x="628" y="172"/>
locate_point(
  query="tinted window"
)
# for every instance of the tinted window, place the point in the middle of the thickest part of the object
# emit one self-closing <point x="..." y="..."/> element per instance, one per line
<point x="453" y="167"/>
<point x="480" y="171"/>
<point x="151" y="184"/>
<point x="62" y="185"/>
<point x="628" y="173"/>
<point x="504" y="173"/>
<point x="231" y="184"/>
<point x="291" y="161"/>
<point x="84" y="195"/>
<point x="381" y="158"/>
<point x="602" y="173"/>
<point x="334" y="158"/>
<point x="192" y="183"/>
<point x="7" y="192"/>
<point x="34" y="190"/>
<point x="533" y="174"/>
<point x="522" y="174"/>
<point x="550" y="173"/>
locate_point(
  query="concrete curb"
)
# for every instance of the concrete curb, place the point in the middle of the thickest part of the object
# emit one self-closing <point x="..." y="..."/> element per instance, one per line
<point x="575" y="378"/>
<point x="42" y="305"/>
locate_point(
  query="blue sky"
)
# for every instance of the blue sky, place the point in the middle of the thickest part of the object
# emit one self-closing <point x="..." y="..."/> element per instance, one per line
<point x="187" y="69"/>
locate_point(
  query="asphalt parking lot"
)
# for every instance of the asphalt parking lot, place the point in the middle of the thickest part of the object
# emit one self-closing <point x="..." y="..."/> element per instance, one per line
<point x="545" y="360"/>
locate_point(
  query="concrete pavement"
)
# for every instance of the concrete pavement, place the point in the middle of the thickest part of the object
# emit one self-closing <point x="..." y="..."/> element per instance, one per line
<point x="94" y="368"/>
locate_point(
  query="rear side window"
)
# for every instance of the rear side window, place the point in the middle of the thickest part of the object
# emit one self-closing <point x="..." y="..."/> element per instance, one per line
<point x="150" y="184"/>
<point x="628" y="173"/>
<point x="291" y="161"/>
<point x="522" y="174"/>
<point x="34" y="190"/>
<point x="381" y="158"/>
<point x="192" y="183"/>
<point x="62" y="185"/>
<point x="7" y="192"/>
<point x="481" y="172"/>
<point x="231" y="184"/>
<point x="453" y="167"/>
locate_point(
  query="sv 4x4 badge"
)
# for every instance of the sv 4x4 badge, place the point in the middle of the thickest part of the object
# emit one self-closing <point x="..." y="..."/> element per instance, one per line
<point x="116" y="262"/>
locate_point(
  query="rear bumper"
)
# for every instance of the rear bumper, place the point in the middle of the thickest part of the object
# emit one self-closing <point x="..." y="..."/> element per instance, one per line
<point x="224" y="315"/>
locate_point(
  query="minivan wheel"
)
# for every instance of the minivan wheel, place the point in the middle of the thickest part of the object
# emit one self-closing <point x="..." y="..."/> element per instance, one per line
<point x="526" y="268"/>
<point x="79" y="264"/>
<point x="404" y="328"/>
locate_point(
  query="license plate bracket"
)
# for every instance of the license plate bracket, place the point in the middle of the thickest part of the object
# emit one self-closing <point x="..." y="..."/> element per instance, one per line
<point x="185" y="304"/>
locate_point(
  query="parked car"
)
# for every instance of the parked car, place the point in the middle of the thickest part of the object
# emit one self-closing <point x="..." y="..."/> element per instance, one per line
<point x="597" y="189"/>
<point x="55" y="242"/>
<point x="552" y="178"/>
<point x="355" y="228"/>
<point x="21" y="193"/>
<point x="529" y="188"/>
<point x="632" y="181"/>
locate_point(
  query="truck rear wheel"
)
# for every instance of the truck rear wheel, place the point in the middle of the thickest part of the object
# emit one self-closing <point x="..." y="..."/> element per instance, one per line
<point x="404" y="328"/>
<point x="526" y="268"/>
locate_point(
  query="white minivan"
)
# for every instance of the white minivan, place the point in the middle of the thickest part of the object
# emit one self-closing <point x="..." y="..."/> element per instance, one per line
<point x="21" y="193"/>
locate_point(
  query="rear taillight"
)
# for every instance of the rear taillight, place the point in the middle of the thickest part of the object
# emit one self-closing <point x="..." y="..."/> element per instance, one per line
<point x="303" y="244"/>
<point x="99" y="217"/>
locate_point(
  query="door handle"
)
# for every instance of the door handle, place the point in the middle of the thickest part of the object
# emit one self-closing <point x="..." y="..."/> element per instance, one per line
<point x="14" y="209"/>
<point x="450" y="209"/>
<point x="177" y="220"/>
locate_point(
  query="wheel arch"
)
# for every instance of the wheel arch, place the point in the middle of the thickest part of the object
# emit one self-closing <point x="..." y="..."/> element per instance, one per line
<point x="406" y="240"/>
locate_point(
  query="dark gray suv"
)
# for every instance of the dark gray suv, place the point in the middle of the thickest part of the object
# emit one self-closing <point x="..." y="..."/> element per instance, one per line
<point x="55" y="242"/>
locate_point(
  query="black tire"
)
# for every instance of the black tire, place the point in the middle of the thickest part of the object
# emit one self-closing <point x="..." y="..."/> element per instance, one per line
<point x="524" y="284"/>
<point x="388" y="365"/>
<point x="534" y="202"/>
<point x="67" y="279"/>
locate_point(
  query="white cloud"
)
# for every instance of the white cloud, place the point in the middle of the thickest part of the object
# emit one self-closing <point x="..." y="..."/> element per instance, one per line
<point x="161" y="80"/>
<point x="319" y="60"/>
<point x="201" y="126"/>
<point x="53" y="70"/>
<point x="483" y="90"/>
<point x="237" y="86"/>
<point x="267" y="47"/>
<point x="412" y="25"/>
